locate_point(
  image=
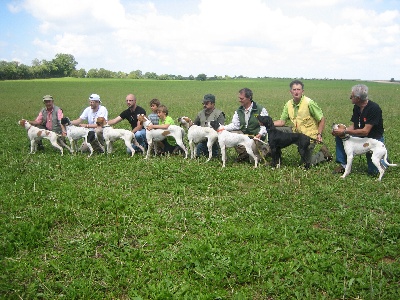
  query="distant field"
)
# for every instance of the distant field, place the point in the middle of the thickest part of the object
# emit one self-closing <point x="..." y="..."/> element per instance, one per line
<point x="114" y="227"/>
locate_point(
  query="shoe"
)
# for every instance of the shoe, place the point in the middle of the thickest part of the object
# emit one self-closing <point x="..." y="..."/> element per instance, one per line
<point x="243" y="157"/>
<point x="338" y="170"/>
<point x="177" y="151"/>
<point x="326" y="153"/>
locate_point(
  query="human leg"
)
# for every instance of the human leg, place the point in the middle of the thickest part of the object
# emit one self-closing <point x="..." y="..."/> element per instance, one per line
<point x="201" y="149"/>
<point x="341" y="156"/>
<point x="372" y="169"/>
<point x="140" y="136"/>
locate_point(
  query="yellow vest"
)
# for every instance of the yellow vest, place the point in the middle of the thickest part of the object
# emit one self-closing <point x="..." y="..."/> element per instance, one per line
<point x="303" y="122"/>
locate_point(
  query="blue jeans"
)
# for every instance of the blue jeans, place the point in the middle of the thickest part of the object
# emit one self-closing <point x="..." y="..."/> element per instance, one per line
<point x="202" y="149"/>
<point x="341" y="156"/>
<point x="140" y="136"/>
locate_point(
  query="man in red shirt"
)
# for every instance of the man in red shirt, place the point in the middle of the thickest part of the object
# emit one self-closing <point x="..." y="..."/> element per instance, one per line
<point x="49" y="118"/>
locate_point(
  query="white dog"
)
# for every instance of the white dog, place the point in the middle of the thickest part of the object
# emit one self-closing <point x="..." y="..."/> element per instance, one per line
<point x="228" y="139"/>
<point x="35" y="134"/>
<point x="157" y="135"/>
<point x="75" y="133"/>
<point x="111" y="135"/>
<point x="197" y="134"/>
<point x="356" y="146"/>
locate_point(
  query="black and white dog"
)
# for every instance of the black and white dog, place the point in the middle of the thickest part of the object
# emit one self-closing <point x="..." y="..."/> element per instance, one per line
<point x="278" y="139"/>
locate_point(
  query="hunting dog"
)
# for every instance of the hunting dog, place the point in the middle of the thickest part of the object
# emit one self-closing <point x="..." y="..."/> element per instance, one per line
<point x="35" y="134"/>
<point x="75" y="133"/>
<point x="157" y="135"/>
<point x="110" y="135"/>
<point x="228" y="139"/>
<point x="197" y="134"/>
<point x="278" y="140"/>
<point x="356" y="146"/>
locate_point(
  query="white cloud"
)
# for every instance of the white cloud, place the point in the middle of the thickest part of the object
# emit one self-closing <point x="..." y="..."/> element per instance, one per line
<point x="244" y="37"/>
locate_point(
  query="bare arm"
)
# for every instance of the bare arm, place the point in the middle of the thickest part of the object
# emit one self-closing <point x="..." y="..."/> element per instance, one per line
<point x="321" y="126"/>
<point x="357" y="132"/>
<point x="78" y="121"/>
<point x="114" y="121"/>
<point x="163" y="126"/>
<point x="279" y="123"/>
<point x="138" y="127"/>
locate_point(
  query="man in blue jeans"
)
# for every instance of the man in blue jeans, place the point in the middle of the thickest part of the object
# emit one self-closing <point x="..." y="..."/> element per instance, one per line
<point x="130" y="115"/>
<point x="366" y="121"/>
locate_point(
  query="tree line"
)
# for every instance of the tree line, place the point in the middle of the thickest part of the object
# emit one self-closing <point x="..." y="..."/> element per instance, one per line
<point x="64" y="65"/>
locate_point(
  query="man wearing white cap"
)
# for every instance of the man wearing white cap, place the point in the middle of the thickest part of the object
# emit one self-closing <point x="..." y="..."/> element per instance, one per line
<point x="49" y="118"/>
<point x="90" y="114"/>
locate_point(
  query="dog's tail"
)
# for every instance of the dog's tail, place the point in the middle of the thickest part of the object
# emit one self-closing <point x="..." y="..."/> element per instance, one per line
<point x="386" y="161"/>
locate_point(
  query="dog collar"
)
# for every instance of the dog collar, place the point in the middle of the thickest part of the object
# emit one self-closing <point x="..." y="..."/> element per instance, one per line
<point x="106" y="126"/>
<point x="219" y="130"/>
<point x="346" y="137"/>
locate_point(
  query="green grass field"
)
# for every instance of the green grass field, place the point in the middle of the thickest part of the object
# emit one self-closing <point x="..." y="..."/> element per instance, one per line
<point x="114" y="227"/>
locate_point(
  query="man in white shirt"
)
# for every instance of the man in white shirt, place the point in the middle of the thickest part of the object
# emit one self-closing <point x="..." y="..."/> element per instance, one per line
<point x="245" y="121"/>
<point x="90" y="114"/>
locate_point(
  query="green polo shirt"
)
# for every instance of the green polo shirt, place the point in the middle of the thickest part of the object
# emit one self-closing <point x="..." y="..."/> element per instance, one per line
<point x="170" y="121"/>
<point x="315" y="110"/>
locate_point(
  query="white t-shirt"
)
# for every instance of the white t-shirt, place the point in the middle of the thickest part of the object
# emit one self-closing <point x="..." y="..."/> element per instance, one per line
<point x="91" y="116"/>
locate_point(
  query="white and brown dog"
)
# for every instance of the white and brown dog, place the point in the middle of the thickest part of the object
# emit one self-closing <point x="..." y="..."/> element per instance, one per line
<point x="356" y="146"/>
<point x="35" y="134"/>
<point x="75" y="133"/>
<point x="157" y="135"/>
<point x="110" y="135"/>
<point x="228" y="139"/>
<point x="197" y="134"/>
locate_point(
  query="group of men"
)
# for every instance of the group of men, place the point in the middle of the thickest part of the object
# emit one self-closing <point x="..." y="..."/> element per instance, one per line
<point x="304" y="114"/>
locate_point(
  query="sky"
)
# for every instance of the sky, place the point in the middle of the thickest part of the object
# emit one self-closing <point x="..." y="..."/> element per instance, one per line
<point x="335" y="39"/>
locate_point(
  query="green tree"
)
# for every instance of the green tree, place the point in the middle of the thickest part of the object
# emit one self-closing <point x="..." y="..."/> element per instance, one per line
<point x="81" y="73"/>
<point x="201" y="77"/>
<point x="64" y="65"/>
<point x="150" y="75"/>
<point x="92" y="73"/>
<point x="135" y="74"/>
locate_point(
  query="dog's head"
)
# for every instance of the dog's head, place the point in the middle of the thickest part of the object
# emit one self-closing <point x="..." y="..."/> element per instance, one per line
<point x="22" y="122"/>
<point x="266" y="121"/>
<point x="65" y="121"/>
<point x="338" y="127"/>
<point x="141" y="118"/>
<point x="100" y="121"/>
<point x="214" y="125"/>
<point x="185" y="121"/>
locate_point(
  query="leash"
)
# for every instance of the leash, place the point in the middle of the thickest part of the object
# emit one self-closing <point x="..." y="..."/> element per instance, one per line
<point x="258" y="149"/>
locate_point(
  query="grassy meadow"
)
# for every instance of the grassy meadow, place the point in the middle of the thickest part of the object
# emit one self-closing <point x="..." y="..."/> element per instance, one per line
<point x="115" y="227"/>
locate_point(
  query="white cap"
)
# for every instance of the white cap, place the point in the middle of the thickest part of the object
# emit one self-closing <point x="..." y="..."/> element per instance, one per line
<point x="94" y="97"/>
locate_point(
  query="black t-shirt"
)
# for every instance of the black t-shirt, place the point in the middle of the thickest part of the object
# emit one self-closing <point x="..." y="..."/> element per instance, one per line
<point x="131" y="116"/>
<point x="371" y="114"/>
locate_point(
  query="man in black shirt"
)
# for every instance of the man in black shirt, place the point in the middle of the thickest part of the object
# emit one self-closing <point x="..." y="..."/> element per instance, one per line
<point x="130" y="114"/>
<point x="366" y="121"/>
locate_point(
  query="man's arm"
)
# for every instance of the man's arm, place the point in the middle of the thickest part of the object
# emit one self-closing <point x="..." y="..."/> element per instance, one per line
<point x="138" y="127"/>
<point x="114" y="121"/>
<point x="235" y="124"/>
<point x="279" y="123"/>
<point x="357" y="132"/>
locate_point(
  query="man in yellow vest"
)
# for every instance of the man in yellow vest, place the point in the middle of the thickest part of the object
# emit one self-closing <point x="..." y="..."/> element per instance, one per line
<point x="307" y="118"/>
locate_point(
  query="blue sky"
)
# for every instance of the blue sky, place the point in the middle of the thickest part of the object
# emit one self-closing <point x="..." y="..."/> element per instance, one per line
<point x="358" y="39"/>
